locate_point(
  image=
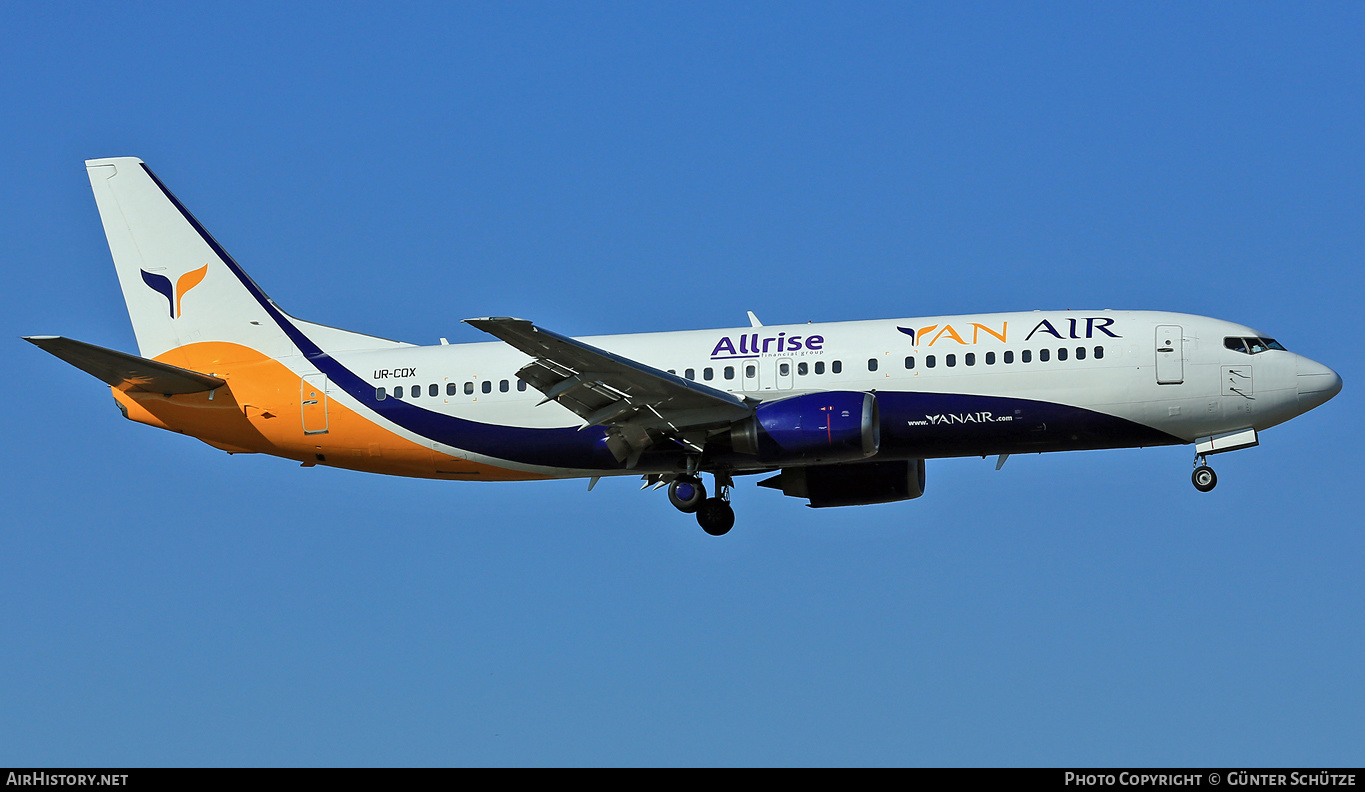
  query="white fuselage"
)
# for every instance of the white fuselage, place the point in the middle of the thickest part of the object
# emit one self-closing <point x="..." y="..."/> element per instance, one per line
<point x="1148" y="377"/>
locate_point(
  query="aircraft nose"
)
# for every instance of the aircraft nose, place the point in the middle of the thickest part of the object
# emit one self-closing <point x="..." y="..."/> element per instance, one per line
<point x="1317" y="383"/>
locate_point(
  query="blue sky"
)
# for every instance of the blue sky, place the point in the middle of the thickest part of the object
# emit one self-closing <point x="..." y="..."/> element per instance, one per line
<point x="604" y="168"/>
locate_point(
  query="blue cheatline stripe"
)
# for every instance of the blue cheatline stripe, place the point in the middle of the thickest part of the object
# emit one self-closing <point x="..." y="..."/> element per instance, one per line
<point x="565" y="447"/>
<point x="954" y="424"/>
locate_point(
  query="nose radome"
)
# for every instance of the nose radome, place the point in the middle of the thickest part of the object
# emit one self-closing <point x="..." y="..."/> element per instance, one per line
<point x="1317" y="383"/>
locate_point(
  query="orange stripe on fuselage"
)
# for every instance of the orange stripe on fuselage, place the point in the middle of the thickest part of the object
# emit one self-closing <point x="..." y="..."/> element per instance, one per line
<point x="259" y="411"/>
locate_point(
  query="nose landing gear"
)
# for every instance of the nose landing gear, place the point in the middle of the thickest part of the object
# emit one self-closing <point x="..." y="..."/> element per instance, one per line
<point x="1203" y="477"/>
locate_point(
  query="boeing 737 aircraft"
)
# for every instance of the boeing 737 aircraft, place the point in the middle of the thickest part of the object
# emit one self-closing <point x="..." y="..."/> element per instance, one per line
<point x="839" y="414"/>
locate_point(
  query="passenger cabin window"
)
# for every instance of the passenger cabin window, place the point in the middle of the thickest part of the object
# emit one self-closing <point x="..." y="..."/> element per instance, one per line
<point x="433" y="389"/>
<point x="837" y="367"/>
<point x="488" y="386"/>
<point x="1080" y="353"/>
<point x="1043" y="355"/>
<point x="909" y="363"/>
<point x="380" y="395"/>
<point x="1099" y="353"/>
<point x="1026" y="356"/>
<point x="1009" y="356"/>
<point x="819" y="367"/>
<point x="451" y="390"/>
<point x="1061" y="353"/>
<point x="729" y="372"/>
<point x="802" y="369"/>
<point x="785" y="369"/>
<point x="871" y="364"/>
<point x="504" y="386"/>
<point x="930" y="361"/>
<point x="970" y="358"/>
<point x="708" y="373"/>
<point x="521" y="384"/>
<point x="468" y="388"/>
<point x="690" y="374"/>
<point x="990" y="358"/>
<point x="950" y="360"/>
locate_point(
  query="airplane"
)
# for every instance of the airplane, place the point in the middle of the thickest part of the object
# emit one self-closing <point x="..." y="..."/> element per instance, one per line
<point x="838" y="414"/>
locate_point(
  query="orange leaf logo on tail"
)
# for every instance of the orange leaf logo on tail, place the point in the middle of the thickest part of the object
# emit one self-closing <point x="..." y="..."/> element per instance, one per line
<point x="188" y="281"/>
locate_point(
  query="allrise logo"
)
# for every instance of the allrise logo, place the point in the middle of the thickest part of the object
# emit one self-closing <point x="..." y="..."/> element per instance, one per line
<point x="754" y="344"/>
<point x="162" y="285"/>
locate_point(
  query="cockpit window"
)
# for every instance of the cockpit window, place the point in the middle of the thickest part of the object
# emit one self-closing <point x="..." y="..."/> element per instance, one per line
<point x="1251" y="345"/>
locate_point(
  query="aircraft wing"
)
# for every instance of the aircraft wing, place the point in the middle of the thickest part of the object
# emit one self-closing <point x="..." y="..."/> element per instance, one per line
<point x="640" y="405"/>
<point x="124" y="371"/>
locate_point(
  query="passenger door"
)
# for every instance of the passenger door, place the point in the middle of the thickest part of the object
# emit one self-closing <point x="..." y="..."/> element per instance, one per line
<point x="1170" y="355"/>
<point x="313" y="404"/>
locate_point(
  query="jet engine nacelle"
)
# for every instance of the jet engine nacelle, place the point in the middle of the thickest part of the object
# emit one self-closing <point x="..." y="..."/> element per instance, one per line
<point x="814" y="427"/>
<point x="852" y="485"/>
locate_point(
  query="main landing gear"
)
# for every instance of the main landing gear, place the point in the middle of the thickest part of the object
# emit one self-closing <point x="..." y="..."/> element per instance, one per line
<point x="687" y="494"/>
<point x="714" y="515"/>
<point x="1203" y="477"/>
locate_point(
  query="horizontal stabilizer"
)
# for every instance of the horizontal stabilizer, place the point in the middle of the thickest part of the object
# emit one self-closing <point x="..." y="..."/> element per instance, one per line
<point x="124" y="371"/>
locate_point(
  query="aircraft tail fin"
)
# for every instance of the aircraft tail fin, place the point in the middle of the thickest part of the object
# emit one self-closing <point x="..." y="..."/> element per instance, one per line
<point x="180" y="286"/>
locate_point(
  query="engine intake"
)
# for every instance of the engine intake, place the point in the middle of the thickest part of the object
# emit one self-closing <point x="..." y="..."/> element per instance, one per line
<point x="814" y="427"/>
<point x="852" y="485"/>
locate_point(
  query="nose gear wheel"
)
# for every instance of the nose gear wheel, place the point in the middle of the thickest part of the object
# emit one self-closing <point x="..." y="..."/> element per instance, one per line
<point x="1203" y="476"/>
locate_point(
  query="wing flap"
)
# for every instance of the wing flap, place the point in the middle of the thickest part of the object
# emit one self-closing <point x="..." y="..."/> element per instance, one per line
<point x="124" y="371"/>
<point x="639" y="404"/>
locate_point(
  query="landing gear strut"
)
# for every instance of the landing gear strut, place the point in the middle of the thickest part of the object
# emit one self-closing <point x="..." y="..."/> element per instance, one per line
<point x="1203" y="477"/>
<point x="716" y="516"/>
